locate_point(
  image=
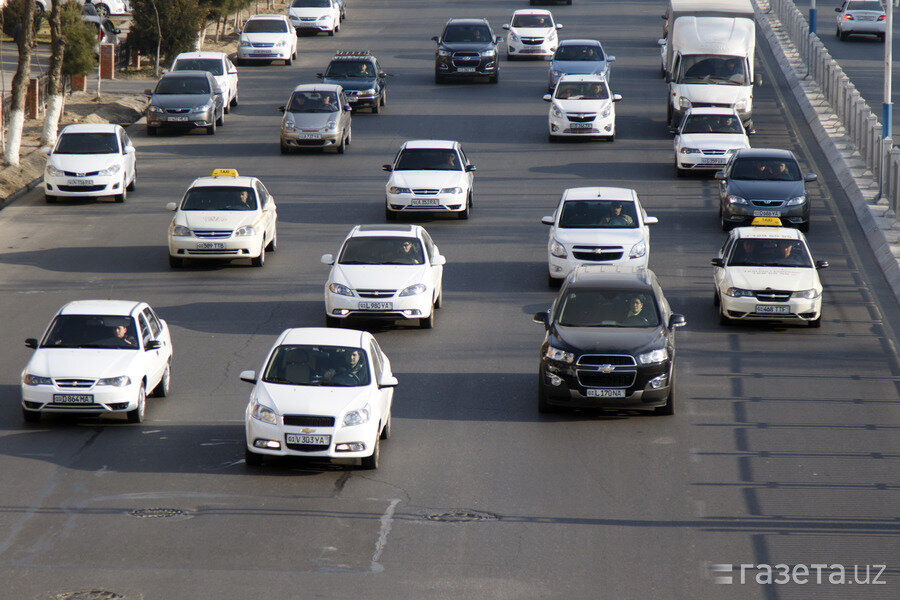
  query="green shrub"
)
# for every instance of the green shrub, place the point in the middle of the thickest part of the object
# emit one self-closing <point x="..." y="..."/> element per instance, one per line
<point x="81" y="40"/>
<point x="179" y="22"/>
<point x="13" y="15"/>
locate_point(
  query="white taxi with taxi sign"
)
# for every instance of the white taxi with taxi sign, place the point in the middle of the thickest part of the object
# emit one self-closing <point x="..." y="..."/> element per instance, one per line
<point x="767" y="273"/>
<point x="224" y="216"/>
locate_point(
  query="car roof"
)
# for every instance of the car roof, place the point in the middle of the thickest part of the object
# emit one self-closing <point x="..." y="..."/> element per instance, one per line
<point x="90" y="128"/>
<point x="611" y="276"/>
<point x="468" y="21"/>
<point x="600" y="193"/>
<point x="532" y="11"/>
<point x="201" y="55"/>
<point x="256" y="17"/>
<point x="100" y="307"/>
<point x="779" y="233"/>
<point x="764" y="153"/>
<point x="579" y="43"/>
<point x="322" y="336"/>
<point x="353" y="55"/>
<point x="429" y="144"/>
<point x="171" y="74"/>
<point x="410" y="231"/>
<point x="318" y="87"/>
<point x="226" y="181"/>
<point x="711" y="110"/>
<point x="592" y="77"/>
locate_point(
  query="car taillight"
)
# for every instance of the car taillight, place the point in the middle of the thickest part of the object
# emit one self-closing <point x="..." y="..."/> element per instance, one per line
<point x="882" y="17"/>
<point x="848" y="17"/>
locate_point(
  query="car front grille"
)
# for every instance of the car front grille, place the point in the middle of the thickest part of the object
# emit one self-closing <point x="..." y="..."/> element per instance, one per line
<point x="74" y="383"/>
<point x="532" y="41"/>
<point x="581" y="117"/>
<point x="308" y="421"/>
<point x="376" y="293"/>
<point x="308" y="447"/>
<point x="709" y="152"/>
<point x="606" y="359"/>
<point x="466" y="59"/>
<point x="424" y="192"/>
<point x="598" y="253"/>
<point x="768" y="203"/>
<point x="616" y="379"/>
<point x="261" y="45"/>
<point x="772" y="295"/>
<point x="212" y="233"/>
<point x="80" y="188"/>
<point x="74" y="174"/>
<point x="177" y="111"/>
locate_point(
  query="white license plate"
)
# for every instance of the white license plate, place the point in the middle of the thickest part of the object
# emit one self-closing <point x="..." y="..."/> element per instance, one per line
<point x="73" y="399"/>
<point x="766" y="213"/>
<point x="376" y="305"/>
<point x="210" y="246"/>
<point x="865" y="18"/>
<point x="581" y="125"/>
<point x="309" y="136"/>
<point x="262" y="54"/>
<point x="773" y="309"/>
<point x="178" y="118"/>
<point x="311" y="440"/>
<point x="425" y="202"/>
<point x="712" y="161"/>
<point x="605" y="393"/>
<point x="466" y="69"/>
<point x="80" y="182"/>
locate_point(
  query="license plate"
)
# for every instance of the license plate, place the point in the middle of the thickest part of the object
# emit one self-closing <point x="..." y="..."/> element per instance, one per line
<point x="605" y="393"/>
<point x="210" y="246"/>
<point x="865" y="18"/>
<point x="178" y="118"/>
<point x="712" y="161"/>
<point x="581" y="125"/>
<point x="80" y="182"/>
<point x="262" y="54"/>
<point x="73" y="399"/>
<point x="466" y="69"/>
<point x="773" y="309"/>
<point x="376" y="305"/>
<point x="766" y="213"/>
<point x="309" y="136"/>
<point x="311" y="440"/>
<point x="424" y="202"/>
<point x="766" y="222"/>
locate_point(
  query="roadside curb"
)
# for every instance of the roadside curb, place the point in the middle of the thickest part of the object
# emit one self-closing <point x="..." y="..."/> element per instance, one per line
<point x="858" y="182"/>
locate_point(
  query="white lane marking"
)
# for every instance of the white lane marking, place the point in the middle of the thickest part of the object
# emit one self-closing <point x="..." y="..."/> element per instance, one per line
<point x="387" y="520"/>
<point x="151" y="431"/>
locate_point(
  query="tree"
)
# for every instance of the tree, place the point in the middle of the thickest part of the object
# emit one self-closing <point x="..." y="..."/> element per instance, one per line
<point x="179" y="22"/>
<point x="24" y="35"/>
<point x="54" y="77"/>
<point x="80" y="40"/>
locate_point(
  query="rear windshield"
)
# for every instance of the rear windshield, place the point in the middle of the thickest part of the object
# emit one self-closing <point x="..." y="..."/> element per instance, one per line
<point x="219" y="198"/>
<point x="761" y="169"/>
<point x="182" y="85"/>
<point x="599" y="214"/>
<point x="91" y="331"/>
<point x="265" y="26"/>
<point x="574" y="52"/>
<point x="582" y="90"/>
<point x="87" y="143"/>
<point x="532" y="21"/>
<point x="382" y="251"/>
<point x="212" y="65"/>
<point x="606" y="308"/>
<point x="866" y="5"/>
<point x="428" y="159"/>
<point x="712" y="124"/>
<point x="330" y="366"/>
<point x="467" y="33"/>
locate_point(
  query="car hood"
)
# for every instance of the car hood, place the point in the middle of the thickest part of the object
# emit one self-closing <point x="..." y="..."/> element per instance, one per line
<point x="711" y="93"/>
<point x="309" y="11"/>
<point x="721" y="141"/>
<point x="582" y="106"/>
<point x="84" y="163"/>
<point x="379" y="277"/>
<point x="625" y="237"/>
<point x="578" y="67"/>
<point x="467" y="46"/>
<point x="180" y="100"/>
<point x="765" y="190"/>
<point x="352" y="83"/>
<point x="427" y="179"/>
<point x="776" y="278"/>
<point x="611" y="340"/>
<point x="264" y="38"/>
<point x="87" y="363"/>
<point x="532" y="31"/>
<point x="309" y="120"/>
<point x="311" y="399"/>
<point x="215" y="219"/>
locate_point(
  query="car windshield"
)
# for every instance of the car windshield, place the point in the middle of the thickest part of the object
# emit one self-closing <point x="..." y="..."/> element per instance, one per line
<point x="582" y="90"/>
<point x="467" y="33"/>
<point x="762" y="169"/>
<point x="311" y="4"/>
<point x="714" y="68"/>
<point x="598" y="214"/>
<point x="382" y="251"/>
<point x="331" y="366"/>
<point x="219" y="198"/>
<point x="265" y="26"/>
<point x="87" y="143"/>
<point x="578" y="52"/>
<point x="865" y="5"/>
<point x="313" y="102"/>
<point x="350" y="68"/>
<point x="768" y="252"/>
<point x="428" y="159"/>
<point x="212" y="65"/>
<point x="532" y="21"/>
<point x="606" y="308"/>
<point x="91" y="331"/>
<point x="182" y="85"/>
<point x="712" y="124"/>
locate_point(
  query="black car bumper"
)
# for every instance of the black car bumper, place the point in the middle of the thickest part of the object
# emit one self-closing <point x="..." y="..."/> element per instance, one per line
<point x="737" y="215"/>
<point x="562" y="387"/>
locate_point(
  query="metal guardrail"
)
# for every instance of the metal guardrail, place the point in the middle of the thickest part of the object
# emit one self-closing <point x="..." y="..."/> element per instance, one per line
<point x="862" y="125"/>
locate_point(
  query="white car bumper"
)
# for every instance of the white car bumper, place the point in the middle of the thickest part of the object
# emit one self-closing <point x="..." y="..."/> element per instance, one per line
<point x="272" y="53"/>
<point x="699" y="161"/>
<point x="394" y="307"/>
<point x="439" y="202"/>
<point x="600" y="126"/>
<point x="543" y="50"/>
<point x="751" y="309"/>
<point x="91" y="400"/>
<point x="316" y="25"/>
<point x="559" y="268"/>
<point x="198" y="248"/>
<point x="284" y="440"/>
<point x="82" y="187"/>
<point x="859" y="26"/>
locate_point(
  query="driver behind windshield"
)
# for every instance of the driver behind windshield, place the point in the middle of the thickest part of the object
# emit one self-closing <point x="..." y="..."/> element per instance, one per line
<point x="313" y="102"/>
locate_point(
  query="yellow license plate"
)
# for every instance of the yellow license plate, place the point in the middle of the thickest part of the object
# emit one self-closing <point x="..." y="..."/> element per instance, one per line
<point x="766" y="222"/>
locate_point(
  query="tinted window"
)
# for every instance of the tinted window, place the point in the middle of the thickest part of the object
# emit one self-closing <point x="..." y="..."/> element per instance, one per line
<point x="865" y="5"/>
<point x="212" y="65"/>
<point x="577" y="90"/>
<point x="763" y="252"/>
<point x="313" y="102"/>
<point x="775" y="169"/>
<point x="333" y="366"/>
<point x="265" y="26"/>
<point x="604" y="308"/>
<point x="87" y="143"/>
<point x="428" y="159"/>
<point x="712" y="124"/>
<point x="311" y="4"/>
<point x="521" y="20"/>
<point x="467" y="33"/>
<point x="382" y="251"/>
<point x="593" y="214"/>
<point x="91" y="331"/>
<point x="182" y="85"/>
<point x="350" y="68"/>
<point x="219" y="198"/>
<point x="376" y="360"/>
<point x="574" y="52"/>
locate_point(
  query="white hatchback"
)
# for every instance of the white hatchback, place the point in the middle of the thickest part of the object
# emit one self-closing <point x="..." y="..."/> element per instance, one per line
<point x="320" y="393"/>
<point x="98" y="357"/>
<point x="582" y="106"/>
<point x="597" y="226"/>
<point x="216" y="63"/>
<point x="90" y="160"/>
<point x="387" y="272"/>
<point x="532" y="33"/>
<point x="432" y="176"/>
<point x="267" y="37"/>
<point x="706" y="139"/>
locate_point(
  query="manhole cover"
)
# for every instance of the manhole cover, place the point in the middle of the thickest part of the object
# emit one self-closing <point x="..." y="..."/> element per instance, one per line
<point x="92" y="595"/>
<point x="463" y="515"/>
<point x="156" y="513"/>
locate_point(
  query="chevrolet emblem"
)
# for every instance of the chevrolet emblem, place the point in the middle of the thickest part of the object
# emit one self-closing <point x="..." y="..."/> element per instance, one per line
<point x="307" y="430"/>
<point x="605" y="368"/>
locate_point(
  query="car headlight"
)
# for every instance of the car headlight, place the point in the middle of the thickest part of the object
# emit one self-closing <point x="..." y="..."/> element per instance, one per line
<point x="246" y="44"/>
<point x="156" y="109"/>
<point x="111" y="170"/>
<point x="290" y="126"/>
<point x="201" y="109"/>
<point x="413" y="290"/>
<point x="605" y="112"/>
<point x="490" y="52"/>
<point x="340" y="289"/>
<point x="330" y="125"/>
<point x="738" y="292"/>
<point x="732" y="199"/>
<point x="684" y="103"/>
<point x="806" y="294"/>
<point x="559" y="355"/>
<point x="180" y="231"/>
<point x="740" y="106"/>
<point x="686" y="150"/>
<point x="246" y="230"/>
<point x="29" y="379"/>
<point x="369" y="92"/>
<point x="638" y="250"/>
<point x="120" y="381"/>
<point x="263" y="413"/>
<point x="399" y="190"/>
<point x="555" y="74"/>
<point x="557" y="249"/>
<point x="796" y="201"/>
<point x="54" y="172"/>
<point x="655" y="356"/>
<point x="357" y="417"/>
<point x="280" y="44"/>
<point x="556" y="112"/>
<point x="451" y="190"/>
<point x="443" y="52"/>
<point x="324" y="18"/>
<point x="513" y="37"/>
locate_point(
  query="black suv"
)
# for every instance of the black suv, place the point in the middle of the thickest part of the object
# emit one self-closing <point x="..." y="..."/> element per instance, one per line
<point x="467" y="48"/>
<point x="610" y="342"/>
<point x="361" y="76"/>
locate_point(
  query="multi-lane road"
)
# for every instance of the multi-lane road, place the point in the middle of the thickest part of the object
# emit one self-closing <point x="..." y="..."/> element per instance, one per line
<point x="784" y="447"/>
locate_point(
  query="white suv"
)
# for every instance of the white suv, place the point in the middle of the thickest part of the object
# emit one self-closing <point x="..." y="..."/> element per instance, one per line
<point x="385" y="271"/>
<point x="531" y="33"/>
<point x="430" y="175"/>
<point x="597" y="225"/>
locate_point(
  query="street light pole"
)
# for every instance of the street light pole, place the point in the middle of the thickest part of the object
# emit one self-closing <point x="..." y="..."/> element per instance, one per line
<point x="813" y="13"/>
<point x="887" y="111"/>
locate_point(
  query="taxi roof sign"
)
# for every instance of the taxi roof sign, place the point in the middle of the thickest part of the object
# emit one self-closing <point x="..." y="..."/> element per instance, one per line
<point x="766" y="222"/>
<point x="225" y="173"/>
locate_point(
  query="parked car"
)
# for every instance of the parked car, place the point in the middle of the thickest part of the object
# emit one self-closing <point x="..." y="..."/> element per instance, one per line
<point x="90" y="160"/>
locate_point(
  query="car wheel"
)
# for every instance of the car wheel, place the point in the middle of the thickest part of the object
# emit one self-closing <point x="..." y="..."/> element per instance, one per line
<point x="427" y="322"/>
<point x="610" y="138"/>
<point x="332" y="321"/>
<point x="817" y="322"/>
<point x="375" y="108"/>
<point x="340" y="148"/>
<point x="544" y="407"/>
<point x="225" y="108"/>
<point x="162" y="388"/>
<point x="261" y="259"/>
<point x="175" y="262"/>
<point x="102" y="11"/>
<point x="331" y="32"/>
<point x="284" y="149"/>
<point x="553" y="282"/>
<point x="288" y="61"/>
<point x="552" y="138"/>
<point x="350" y="136"/>
<point x="383" y="100"/>
<point x="389" y="215"/>
<point x="221" y="120"/>
<point x="438" y="78"/>
<point x="273" y="243"/>
<point x="252" y="459"/>
<point x="464" y="213"/>
<point x="725" y="225"/>
<point x="804" y="227"/>
<point x="716" y="300"/>
<point x="669" y="117"/>
<point x="679" y="172"/>
<point x="837" y="32"/>
<point x="843" y="36"/>
<point x="439" y="301"/>
<point x="386" y="430"/>
<point x="31" y="416"/>
<point x="668" y="408"/>
<point x="495" y="77"/>
<point x="133" y="183"/>
<point x="234" y="101"/>
<point x="723" y="320"/>
<point x="152" y="130"/>
<point x="881" y="36"/>
<point x="137" y="415"/>
<point x="211" y="130"/>
<point x="370" y="463"/>
<point x="120" y="198"/>
<point x="50" y="199"/>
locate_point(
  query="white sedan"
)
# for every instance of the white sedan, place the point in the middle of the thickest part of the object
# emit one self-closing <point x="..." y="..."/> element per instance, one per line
<point x="706" y="139"/>
<point x="98" y="357"/>
<point x="320" y="393"/>
<point x="90" y="160"/>
<point x="267" y="37"/>
<point x="768" y="274"/>
<point x="216" y="63"/>
<point x="582" y="106"/>
<point x="532" y="33"/>
<point x="387" y="272"/>
<point x="315" y="16"/>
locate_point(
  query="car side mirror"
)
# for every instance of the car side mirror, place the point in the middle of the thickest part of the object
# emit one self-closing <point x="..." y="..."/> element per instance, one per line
<point x="346" y="107"/>
<point x="248" y="376"/>
<point x="559" y="25"/>
<point x="130" y="149"/>
<point x="610" y="59"/>
<point x="821" y="264"/>
<point x="757" y="79"/>
<point x="838" y="9"/>
<point x="31" y="343"/>
<point x="498" y="39"/>
<point x="661" y="42"/>
<point x="153" y="345"/>
<point x="751" y="131"/>
<point x="677" y="320"/>
<point x="470" y="168"/>
<point x="232" y="71"/>
<point x="506" y="26"/>
<point x="280" y="109"/>
<point x="164" y="71"/>
<point x="541" y="317"/>
<point x="148" y="92"/>
<point x="546" y="97"/>
<point x="320" y="75"/>
<point x="720" y="175"/>
<point x="438" y="261"/>
<point x="548" y="220"/>
<point x="717" y="262"/>
<point x="810" y="177"/>
<point x="218" y="91"/>
<point x="617" y="97"/>
<point x="672" y="130"/>
<point x="388" y="381"/>
<point x="434" y="38"/>
<point x="172" y="206"/>
<point x="327" y="259"/>
<point x="650" y="220"/>
<point x="46" y="150"/>
<point x="387" y="168"/>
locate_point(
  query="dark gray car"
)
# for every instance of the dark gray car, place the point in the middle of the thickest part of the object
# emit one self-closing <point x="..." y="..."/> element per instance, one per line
<point x="763" y="182"/>
<point x="466" y="48"/>
<point x="186" y="100"/>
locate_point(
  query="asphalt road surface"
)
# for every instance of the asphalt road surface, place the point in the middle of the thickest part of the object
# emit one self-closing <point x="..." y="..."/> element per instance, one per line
<point x="784" y="448"/>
